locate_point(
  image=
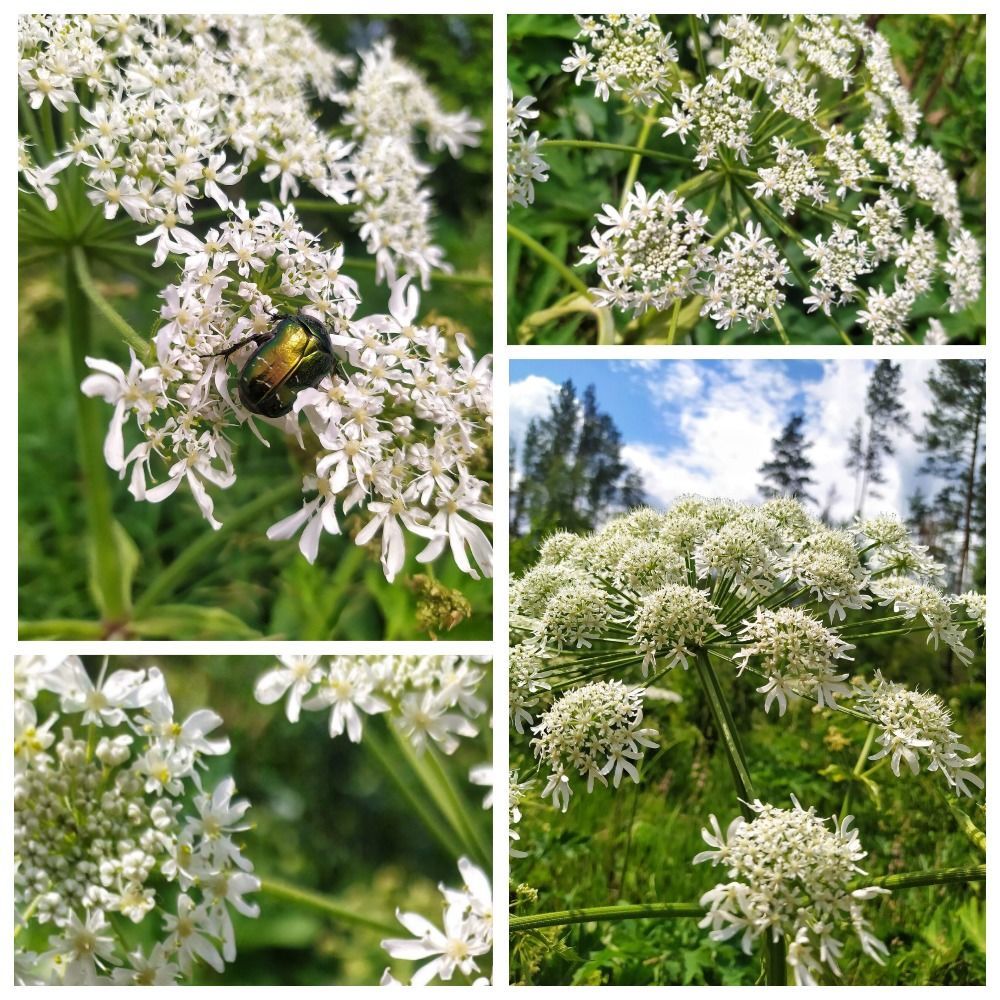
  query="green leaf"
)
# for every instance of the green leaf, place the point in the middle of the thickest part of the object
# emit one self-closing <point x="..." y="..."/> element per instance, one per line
<point x="189" y="621"/>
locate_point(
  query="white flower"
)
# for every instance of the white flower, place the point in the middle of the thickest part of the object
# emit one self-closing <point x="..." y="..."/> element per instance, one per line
<point x="916" y="727"/>
<point x="296" y="676"/>
<point x="466" y="934"/>
<point x="347" y="689"/>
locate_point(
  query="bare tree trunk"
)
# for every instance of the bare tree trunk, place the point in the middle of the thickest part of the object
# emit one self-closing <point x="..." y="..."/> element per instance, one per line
<point x="970" y="489"/>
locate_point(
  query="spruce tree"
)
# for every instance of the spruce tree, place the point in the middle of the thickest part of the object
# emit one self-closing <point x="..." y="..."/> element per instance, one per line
<point x="871" y="439"/>
<point x="787" y="472"/>
<point x="572" y="476"/>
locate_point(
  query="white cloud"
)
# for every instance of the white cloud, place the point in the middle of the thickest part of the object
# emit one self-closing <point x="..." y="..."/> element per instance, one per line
<point x="530" y="398"/>
<point x="727" y="416"/>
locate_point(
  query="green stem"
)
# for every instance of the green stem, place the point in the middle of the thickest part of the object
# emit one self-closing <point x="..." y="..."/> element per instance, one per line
<point x="643" y="911"/>
<point x="617" y="147"/>
<point x="859" y="767"/>
<point x="435" y="785"/>
<point x="934" y="876"/>
<point x="634" y="163"/>
<point x="107" y="572"/>
<point x="166" y="582"/>
<point x="60" y="628"/>
<point x="775" y="958"/>
<point x="672" y="332"/>
<point x="306" y="897"/>
<point x="560" y="918"/>
<point x="546" y="256"/>
<point x="389" y="763"/>
<point x="727" y="730"/>
<point x="141" y="346"/>
<point x="779" y="327"/>
<point x="696" y="40"/>
<point x="472" y="831"/>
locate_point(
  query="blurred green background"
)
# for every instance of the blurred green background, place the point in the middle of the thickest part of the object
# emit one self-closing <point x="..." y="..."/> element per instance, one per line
<point x="240" y="585"/>
<point x="941" y="58"/>
<point x="327" y="817"/>
<point x="636" y="845"/>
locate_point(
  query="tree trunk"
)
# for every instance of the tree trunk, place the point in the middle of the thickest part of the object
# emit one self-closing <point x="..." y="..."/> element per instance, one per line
<point x="970" y="489"/>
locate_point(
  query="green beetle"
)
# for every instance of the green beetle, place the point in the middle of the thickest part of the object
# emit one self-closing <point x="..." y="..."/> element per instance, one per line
<point x="295" y="354"/>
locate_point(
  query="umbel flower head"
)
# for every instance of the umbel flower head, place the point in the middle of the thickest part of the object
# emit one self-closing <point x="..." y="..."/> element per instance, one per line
<point x="914" y="728"/>
<point x="179" y="108"/>
<point x="790" y="875"/>
<point x="595" y="730"/>
<point x="395" y="431"/>
<point x="114" y="826"/>
<point x="807" y="122"/>
<point x="431" y="700"/>
<point x="767" y="591"/>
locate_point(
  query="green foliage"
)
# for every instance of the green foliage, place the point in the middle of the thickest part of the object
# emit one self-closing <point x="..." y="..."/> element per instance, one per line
<point x="941" y="59"/>
<point x="635" y="845"/>
<point x="236" y="583"/>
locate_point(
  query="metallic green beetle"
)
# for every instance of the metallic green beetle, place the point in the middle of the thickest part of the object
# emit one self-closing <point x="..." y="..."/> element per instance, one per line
<point x="295" y="354"/>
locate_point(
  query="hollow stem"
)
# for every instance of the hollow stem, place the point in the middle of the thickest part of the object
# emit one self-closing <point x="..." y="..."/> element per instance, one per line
<point x="139" y="344"/>
<point x="106" y="569"/>
<point x="727" y="730"/>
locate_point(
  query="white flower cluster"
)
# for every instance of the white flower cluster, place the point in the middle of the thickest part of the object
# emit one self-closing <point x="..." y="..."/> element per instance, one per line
<point x="791" y="874"/>
<point x="112" y="823"/>
<point x="751" y="584"/>
<point x="431" y="700"/>
<point x="595" y="730"/>
<point x="759" y="99"/>
<point x="394" y="428"/>
<point x="525" y="163"/>
<point x="387" y="105"/>
<point x="466" y="933"/>
<point x="650" y="253"/>
<point x="672" y="623"/>
<point x="793" y="178"/>
<point x="624" y="53"/>
<point x="180" y="108"/>
<point x="796" y="654"/>
<point x="720" y="117"/>
<point x="745" y="281"/>
<point x="916" y="726"/>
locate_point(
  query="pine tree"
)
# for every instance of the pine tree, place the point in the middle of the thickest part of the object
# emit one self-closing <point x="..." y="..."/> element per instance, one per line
<point x="953" y="442"/>
<point x="871" y="439"/>
<point x="572" y="475"/>
<point x="787" y="473"/>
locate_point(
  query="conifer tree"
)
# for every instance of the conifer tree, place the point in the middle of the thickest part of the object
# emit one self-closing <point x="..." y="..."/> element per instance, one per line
<point x="786" y="474"/>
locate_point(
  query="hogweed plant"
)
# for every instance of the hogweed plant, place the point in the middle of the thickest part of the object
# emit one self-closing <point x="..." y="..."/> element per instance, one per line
<point x="765" y="596"/>
<point x="412" y="714"/>
<point x="781" y="166"/>
<point x="115" y="831"/>
<point x="144" y="133"/>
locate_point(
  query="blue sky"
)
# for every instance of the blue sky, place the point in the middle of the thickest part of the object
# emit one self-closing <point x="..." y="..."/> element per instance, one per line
<point x="706" y="426"/>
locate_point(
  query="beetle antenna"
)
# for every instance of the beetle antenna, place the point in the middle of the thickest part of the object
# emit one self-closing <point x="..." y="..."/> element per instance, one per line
<point x="233" y="348"/>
